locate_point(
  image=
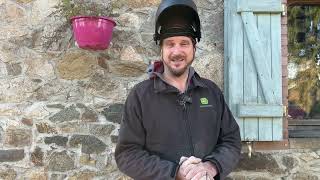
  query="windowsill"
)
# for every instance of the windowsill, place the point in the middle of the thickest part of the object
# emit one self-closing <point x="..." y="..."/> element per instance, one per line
<point x="288" y="144"/>
<point x="303" y="2"/>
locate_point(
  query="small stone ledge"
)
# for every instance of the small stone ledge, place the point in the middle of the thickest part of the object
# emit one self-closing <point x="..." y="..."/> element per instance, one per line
<point x="288" y="144"/>
<point x="304" y="143"/>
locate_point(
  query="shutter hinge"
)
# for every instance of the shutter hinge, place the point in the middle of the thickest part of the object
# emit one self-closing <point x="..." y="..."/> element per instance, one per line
<point x="285" y="111"/>
<point x="284" y="9"/>
<point x="249" y="144"/>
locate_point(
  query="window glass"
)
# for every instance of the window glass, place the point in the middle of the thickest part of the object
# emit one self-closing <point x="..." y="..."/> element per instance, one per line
<point x="304" y="62"/>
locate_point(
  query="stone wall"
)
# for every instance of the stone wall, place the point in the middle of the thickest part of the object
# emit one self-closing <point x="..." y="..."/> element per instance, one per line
<point x="60" y="106"/>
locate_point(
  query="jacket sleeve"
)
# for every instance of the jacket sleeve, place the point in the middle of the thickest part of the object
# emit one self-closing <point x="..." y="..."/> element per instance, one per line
<point x="130" y="155"/>
<point x="226" y="154"/>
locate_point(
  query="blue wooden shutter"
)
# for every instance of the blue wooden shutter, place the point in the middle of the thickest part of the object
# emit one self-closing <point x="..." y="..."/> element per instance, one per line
<point x="253" y="67"/>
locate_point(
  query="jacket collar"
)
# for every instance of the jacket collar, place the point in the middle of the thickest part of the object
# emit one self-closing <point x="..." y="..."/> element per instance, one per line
<point x="160" y="84"/>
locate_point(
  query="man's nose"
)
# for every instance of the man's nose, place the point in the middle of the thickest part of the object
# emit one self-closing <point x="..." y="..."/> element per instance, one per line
<point x="176" y="50"/>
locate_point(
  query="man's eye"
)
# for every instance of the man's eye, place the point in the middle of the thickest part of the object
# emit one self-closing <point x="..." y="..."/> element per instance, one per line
<point x="170" y="44"/>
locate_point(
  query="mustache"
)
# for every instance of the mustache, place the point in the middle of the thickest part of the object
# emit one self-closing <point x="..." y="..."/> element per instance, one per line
<point x="177" y="57"/>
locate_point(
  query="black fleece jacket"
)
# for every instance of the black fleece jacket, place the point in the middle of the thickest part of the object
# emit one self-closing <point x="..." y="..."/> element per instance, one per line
<point x="160" y="125"/>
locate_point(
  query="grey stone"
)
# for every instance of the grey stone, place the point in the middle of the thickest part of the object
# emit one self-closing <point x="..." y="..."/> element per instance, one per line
<point x="1" y="134"/>
<point x="12" y="155"/>
<point x="149" y="52"/>
<point x="236" y="177"/>
<point x="58" y="176"/>
<point x="55" y="90"/>
<point x="7" y="173"/>
<point x="88" y="160"/>
<point x="102" y="161"/>
<point x="90" y="144"/>
<point x="14" y="69"/>
<point x="129" y="20"/>
<point x="18" y="137"/>
<point x="212" y="61"/>
<point x="315" y="166"/>
<point x="257" y="162"/>
<point x="37" y="157"/>
<point x="126" y="37"/>
<point x="114" y="113"/>
<point x="102" y="129"/>
<point x="36" y="80"/>
<point x="24" y="40"/>
<point x="304" y="176"/>
<point x="41" y="94"/>
<point x="61" y="162"/>
<point x="262" y="178"/>
<point x="17" y="90"/>
<point x="101" y="85"/>
<point x="139" y="4"/>
<point x="57" y="106"/>
<point x="131" y="54"/>
<point x="114" y="138"/>
<point x="89" y="115"/>
<point x="39" y="67"/>
<point x="80" y="105"/>
<point x="58" y="140"/>
<point x="67" y="114"/>
<point x="289" y="162"/>
<point x="55" y="36"/>
<point x="307" y="157"/>
<point x="111" y="164"/>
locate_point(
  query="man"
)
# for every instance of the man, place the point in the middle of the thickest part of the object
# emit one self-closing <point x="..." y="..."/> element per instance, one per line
<point x="176" y="125"/>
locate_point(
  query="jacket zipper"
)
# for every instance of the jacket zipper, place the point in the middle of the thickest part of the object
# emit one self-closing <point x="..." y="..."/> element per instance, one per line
<point x="185" y="117"/>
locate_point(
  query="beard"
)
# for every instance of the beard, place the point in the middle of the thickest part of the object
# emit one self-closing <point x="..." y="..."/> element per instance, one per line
<point x="180" y="71"/>
<point x="177" y="72"/>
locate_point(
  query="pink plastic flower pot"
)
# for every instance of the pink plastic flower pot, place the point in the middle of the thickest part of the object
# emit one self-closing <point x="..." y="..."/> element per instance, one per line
<point x="92" y="32"/>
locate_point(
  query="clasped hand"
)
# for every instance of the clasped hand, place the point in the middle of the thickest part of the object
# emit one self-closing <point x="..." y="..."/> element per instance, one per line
<point x="193" y="168"/>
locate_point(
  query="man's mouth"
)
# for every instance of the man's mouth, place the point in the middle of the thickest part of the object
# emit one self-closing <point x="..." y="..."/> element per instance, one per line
<point x="177" y="60"/>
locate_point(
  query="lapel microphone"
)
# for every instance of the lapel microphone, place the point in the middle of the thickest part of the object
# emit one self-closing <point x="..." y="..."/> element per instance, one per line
<point x="183" y="99"/>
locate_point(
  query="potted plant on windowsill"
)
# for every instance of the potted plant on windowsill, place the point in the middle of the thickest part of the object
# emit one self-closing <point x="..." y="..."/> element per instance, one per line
<point x="92" y="28"/>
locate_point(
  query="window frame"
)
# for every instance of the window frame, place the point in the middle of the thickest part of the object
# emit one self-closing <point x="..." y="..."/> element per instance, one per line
<point x="305" y="128"/>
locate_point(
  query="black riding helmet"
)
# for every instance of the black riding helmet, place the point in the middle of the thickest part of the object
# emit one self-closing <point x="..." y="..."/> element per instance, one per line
<point x="177" y="17"/>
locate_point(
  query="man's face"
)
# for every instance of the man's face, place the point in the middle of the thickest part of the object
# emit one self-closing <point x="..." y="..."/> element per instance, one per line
<point x="177" y="55"/>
